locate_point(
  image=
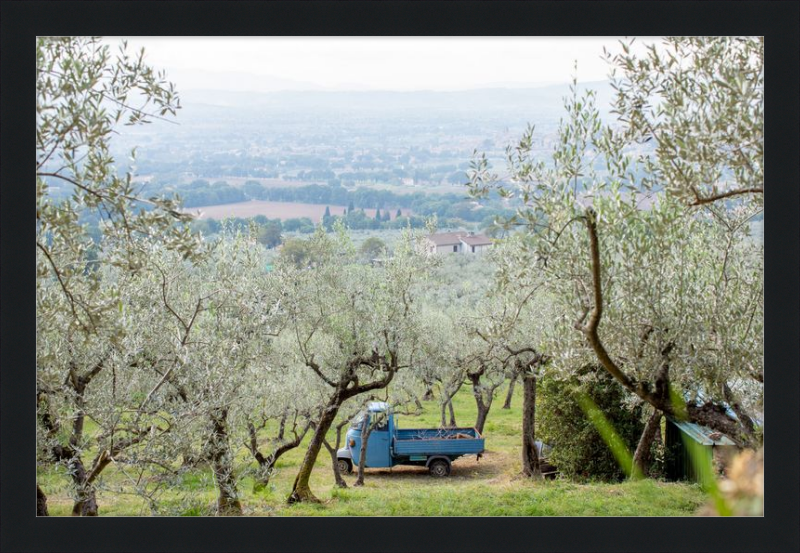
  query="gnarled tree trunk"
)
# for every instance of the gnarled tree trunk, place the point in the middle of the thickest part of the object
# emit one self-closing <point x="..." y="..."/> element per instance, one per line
<point x="332" y="451"/>
<point x="344" y="389"/>
<point x="41" y="503"/>
<point x="86" y="500"/>
<point x="452" y="413"/>
<point x="448" y="392"/>
<point x="267" y="462"/>
<point x="483" y="413"/>
<point x="337" y="474"/>
<point x="530" y="456"/>
<point x="86" y="505"/>
<point x="643" y="455"/>
<point x="222" y="464"/>
<point x="282" y="425"/>
<point x="300" y="489"/>
<point x="366" y="430"/>
<point x="86" y="496"/>
<point x="510" y="394"/>
<point x="447" y="407"/>
<point x="483" y="402"/>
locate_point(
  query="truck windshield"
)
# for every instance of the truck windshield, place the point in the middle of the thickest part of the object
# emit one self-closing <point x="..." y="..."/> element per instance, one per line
<point x="357" y="421"/>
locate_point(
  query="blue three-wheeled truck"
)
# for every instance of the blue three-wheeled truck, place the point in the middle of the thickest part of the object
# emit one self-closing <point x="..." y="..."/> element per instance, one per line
<point x="389" y="445"/>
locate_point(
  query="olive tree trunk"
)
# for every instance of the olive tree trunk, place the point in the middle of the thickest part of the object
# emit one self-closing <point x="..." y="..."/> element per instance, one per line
<point x="222" y="464"/>
<point x="483" y="413"/>
<point x="530" y="456"/>
<point x="282" y="425"/>
<point x="85" y="504"/>
<point x="301" y="491"/>
<point x="510" y="394"/>
<point x="343" y="390"/>
<point x="332" y="451"/>
<point x="483" y="402"/>
<point x="41" y="503"/>
<point x="448" y="392"/>
<point x="266" y="463"/>
<point x="644" y="450"/>
<point x="366" y="430"/>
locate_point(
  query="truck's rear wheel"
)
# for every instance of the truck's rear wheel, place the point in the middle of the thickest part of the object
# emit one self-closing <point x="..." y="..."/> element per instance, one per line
<point x="345" y="467"/>
<point x="439" y="468"/>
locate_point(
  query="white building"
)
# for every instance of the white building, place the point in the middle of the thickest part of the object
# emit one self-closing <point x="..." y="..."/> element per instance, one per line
<point x="475" y="243"/>
<point x="457" y="242"/>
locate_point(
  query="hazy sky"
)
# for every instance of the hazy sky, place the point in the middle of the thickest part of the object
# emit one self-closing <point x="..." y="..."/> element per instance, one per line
<point x="374" y="63"/>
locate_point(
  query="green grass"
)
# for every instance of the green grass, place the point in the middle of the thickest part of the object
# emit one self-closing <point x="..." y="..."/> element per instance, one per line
<point x="489" y="487"/>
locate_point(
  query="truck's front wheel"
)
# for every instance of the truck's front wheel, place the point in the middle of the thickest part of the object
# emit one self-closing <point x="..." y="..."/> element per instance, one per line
<point x="345" y="467"/>
<point x="439" y="468"/>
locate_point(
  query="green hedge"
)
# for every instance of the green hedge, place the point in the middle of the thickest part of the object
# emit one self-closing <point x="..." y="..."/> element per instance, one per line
<point x="578" y="450"/>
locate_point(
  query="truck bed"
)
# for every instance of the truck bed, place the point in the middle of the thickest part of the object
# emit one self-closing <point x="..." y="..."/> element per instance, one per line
<point x="445" y="441"/>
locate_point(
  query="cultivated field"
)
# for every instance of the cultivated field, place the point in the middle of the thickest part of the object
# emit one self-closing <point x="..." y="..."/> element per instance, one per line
<point x="491" y="486"/>
<point x="276" y="210"/>
<point x="281" y="183"/>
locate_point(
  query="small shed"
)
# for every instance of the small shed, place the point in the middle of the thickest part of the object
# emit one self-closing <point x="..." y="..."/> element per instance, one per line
<point x="694" y="452"/>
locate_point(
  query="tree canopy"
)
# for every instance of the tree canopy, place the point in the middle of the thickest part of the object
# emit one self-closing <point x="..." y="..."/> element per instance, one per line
<point x="667" y="298"/>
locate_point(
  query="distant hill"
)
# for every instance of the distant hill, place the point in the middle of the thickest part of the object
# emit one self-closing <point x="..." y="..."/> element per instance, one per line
<point x="189" y="79"/>
<point x="542" y="98"/>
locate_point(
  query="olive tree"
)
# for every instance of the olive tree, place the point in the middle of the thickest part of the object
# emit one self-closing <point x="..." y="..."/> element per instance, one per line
<point x="517" y="326"/>
<point x="440" y="360"/>
<point x="477" y="361"/>
<point x="346" y="415"/>
<point x="679" y="295"/>
<point x="93" y="378"/>
<point x="83" y="92"/>
<point x="282" y="405"/>
<point x="170" y="379"/>
<point x="123" y="377"/>
<point x="402" y="393"/>
<point x="222" y="313"/>
<point x="353" y="325"/>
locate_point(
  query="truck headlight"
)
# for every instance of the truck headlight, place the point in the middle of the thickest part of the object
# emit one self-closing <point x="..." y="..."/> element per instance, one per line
<point x="352" y="442"/>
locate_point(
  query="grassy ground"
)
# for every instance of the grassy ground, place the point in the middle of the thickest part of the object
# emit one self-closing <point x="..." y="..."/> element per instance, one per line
<point x="491" y="486"/>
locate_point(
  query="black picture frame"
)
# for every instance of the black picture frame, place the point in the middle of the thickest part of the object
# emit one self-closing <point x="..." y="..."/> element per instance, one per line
<point x="21" y="21"/>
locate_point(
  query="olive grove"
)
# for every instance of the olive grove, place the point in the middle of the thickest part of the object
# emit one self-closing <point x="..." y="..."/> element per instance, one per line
<point x="162" y="354"/>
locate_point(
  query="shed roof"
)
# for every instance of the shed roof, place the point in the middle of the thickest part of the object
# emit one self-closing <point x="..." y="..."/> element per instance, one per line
<point x="702" y="434"/>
